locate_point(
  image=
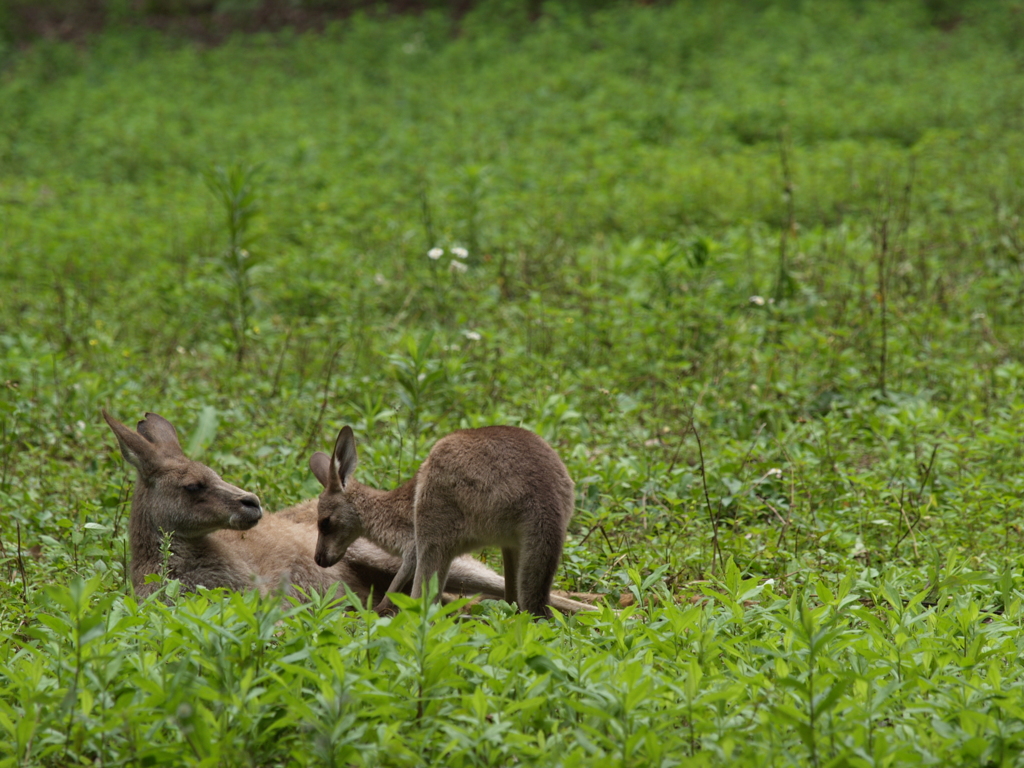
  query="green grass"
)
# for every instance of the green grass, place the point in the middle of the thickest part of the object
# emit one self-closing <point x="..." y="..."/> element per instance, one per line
<point x="793" y="230"/>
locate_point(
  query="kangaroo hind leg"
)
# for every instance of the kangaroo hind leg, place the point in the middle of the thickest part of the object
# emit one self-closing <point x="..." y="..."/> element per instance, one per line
<point x="510" y="558"/>
<point x="431" y="559"/>
<point x="538" y="562"/>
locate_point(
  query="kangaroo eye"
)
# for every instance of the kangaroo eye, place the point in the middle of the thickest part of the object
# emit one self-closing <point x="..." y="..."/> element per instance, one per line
<point x="324" y="525"/>
<point x="194" y="487"/>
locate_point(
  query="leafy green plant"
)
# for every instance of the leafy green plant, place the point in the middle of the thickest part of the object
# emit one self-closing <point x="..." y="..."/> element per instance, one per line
<point x="234" y="187"/>
<point x="419" y="377"/>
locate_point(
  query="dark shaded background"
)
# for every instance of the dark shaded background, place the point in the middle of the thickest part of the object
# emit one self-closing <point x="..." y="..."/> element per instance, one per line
<point x="22" y="21"/>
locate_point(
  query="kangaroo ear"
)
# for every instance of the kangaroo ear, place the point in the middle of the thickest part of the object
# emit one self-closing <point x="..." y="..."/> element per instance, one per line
<point x="159" y="430"/>
<point x="344" y="459"/>
<point x="135" y="448"/>
<point x="320" y="463"/>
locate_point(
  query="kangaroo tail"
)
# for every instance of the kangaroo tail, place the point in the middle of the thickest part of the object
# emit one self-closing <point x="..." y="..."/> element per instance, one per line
<point x="468" y="576"/>
<point x="568" y="605"/>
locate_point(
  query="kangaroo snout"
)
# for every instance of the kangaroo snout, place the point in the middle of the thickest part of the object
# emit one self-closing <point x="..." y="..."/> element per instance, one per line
<point x="328" y="553"/>
<point x="250" y="513"/>
<point x="322" y="559"/>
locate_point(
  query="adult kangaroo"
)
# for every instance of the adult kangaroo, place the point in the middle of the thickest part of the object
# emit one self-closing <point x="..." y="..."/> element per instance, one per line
<point x="500" y="486"/>
<point x="220" y="537"/>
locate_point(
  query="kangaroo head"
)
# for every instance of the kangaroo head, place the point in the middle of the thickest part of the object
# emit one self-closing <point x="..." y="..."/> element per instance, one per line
<point x="176" y="494"/>
<point x="338" y="518"/>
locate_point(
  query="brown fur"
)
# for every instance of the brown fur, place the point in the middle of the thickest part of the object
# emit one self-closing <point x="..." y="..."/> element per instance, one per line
<point x="221" y="538"/>
<point x="493" y="486"/>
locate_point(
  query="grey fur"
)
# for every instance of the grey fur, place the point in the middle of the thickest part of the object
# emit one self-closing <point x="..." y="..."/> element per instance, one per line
<point x="492" y="486"/>
<point x="221" y="538"/>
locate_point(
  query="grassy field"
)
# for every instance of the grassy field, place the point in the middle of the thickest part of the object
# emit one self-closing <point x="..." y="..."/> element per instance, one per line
<point x="756" y="270"/>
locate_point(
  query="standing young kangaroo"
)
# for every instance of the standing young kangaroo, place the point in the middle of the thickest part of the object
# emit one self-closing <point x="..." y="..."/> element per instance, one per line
<point x="219" y="536"/>
<point x="500" y="486"/>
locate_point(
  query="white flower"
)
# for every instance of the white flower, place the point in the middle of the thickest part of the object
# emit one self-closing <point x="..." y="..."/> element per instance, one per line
<point x="462" y="253"/>
<point x="773" y="473"/>
<point x="472" y="335"/>
<point x="435" y="253"/>
<point x="379" y="279"/>
<point x="457" y="266"/>
<point x="757" y="301"/>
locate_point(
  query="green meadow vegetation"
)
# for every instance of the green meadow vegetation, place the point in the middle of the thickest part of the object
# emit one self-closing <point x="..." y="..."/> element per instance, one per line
<point x="755" y="269"/>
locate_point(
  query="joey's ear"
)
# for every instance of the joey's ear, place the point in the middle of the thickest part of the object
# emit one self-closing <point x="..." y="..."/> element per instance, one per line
<point x="159" y="430"/>
<point x="320" y="463"/>
<point x="344" y="458"/>
<point x="135" y="448"/>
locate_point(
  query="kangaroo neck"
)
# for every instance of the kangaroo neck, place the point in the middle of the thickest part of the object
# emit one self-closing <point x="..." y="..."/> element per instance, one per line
<point x="388" y="515"/>
<point x="146" y="540"/>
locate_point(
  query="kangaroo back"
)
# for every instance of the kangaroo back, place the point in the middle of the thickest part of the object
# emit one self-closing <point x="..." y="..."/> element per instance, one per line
<point x="504" y="480"/>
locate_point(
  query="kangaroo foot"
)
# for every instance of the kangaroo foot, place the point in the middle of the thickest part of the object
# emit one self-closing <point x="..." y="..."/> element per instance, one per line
<point x="386" y="608"/>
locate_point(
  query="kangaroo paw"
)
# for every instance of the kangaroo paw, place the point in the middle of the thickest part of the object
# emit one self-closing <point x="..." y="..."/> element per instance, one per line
<point x="386" y="608"/>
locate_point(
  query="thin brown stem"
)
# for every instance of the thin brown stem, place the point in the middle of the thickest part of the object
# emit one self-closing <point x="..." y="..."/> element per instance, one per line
<point x="21" y="564"/>
<point x="328" y="372"/>
<point x="782" y="279"/>
<point x="716" y="550"/>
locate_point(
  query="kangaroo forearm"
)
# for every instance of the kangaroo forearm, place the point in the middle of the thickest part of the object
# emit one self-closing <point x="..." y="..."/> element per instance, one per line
<point x="404" y="575"/>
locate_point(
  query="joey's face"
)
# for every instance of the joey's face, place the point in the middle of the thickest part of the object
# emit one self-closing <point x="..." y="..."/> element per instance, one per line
<point x="198" y="502"/>
<point x="338" y="519"/>
<point x="338" y="524"/>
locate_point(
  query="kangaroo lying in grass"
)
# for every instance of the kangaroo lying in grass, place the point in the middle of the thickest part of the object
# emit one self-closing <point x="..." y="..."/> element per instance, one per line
<point x="221" y="538"/>
<point x="500" y="486"/>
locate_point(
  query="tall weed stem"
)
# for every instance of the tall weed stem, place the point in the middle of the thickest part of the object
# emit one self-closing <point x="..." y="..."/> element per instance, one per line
<point x="234" y="187"/>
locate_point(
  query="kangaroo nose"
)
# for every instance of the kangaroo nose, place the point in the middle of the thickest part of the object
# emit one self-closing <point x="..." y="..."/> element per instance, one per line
<point x="251" y="502"/>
